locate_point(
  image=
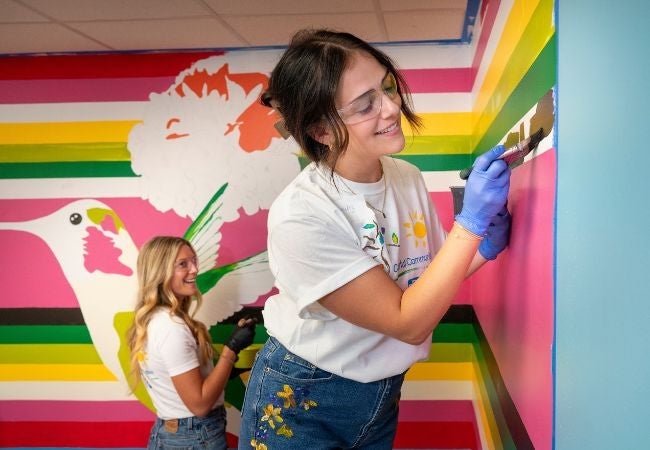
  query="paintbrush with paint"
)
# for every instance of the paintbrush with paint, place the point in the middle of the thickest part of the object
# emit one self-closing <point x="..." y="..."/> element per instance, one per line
<point x="514" y="153"/>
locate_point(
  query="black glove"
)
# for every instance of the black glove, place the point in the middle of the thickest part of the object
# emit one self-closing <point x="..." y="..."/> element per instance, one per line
<point x="242" y="336"/>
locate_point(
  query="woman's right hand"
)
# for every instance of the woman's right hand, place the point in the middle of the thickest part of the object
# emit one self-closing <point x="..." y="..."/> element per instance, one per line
<point x="486" y="191"/>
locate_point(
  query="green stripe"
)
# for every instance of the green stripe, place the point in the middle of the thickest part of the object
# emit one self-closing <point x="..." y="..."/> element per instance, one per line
<point x="426" y="163"/>
<point x="49" y="354"/>
<point x="90" y="169"/>
<point x="221" y="333"/>
<point x="73" y="152"/>
<point x="451" y="352"/>
<point x="454" y="332"/>
<point x="437" y="145"/>
<point x="433" y="163"/>
<point x="538" y="80"/>
<point x="50" y="334"/>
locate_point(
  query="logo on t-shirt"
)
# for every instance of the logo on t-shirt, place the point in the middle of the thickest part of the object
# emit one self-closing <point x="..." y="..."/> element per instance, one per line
<point x="416" y="229"/>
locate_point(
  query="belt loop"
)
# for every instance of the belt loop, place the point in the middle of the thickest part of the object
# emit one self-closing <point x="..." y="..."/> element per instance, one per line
<point x="190" y="423"/>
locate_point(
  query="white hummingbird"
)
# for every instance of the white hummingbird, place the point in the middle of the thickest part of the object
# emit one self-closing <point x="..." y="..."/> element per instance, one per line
<point x="98" y="258"/>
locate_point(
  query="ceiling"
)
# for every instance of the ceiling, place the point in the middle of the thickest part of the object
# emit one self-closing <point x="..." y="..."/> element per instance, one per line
<point x="54" y="26"/>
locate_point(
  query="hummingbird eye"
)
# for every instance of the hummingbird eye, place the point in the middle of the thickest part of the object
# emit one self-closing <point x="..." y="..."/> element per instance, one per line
<point x="75" y="218"/>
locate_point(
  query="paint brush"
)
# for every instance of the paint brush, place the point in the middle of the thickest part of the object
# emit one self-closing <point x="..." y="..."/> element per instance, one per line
<point x="514" y="153"/>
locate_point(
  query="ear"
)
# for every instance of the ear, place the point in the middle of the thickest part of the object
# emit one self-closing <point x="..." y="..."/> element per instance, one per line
<point x="321" y="133"/>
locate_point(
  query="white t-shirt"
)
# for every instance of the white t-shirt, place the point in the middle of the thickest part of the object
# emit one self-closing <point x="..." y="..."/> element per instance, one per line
<point x="323" y="234"/>
<point x="170" y="350"/>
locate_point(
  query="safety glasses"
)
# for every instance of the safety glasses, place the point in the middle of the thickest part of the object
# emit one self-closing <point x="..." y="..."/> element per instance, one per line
<point x="369" y="104"/>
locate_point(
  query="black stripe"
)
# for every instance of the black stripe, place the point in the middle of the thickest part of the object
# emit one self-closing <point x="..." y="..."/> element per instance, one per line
<point x="41" y="316"/>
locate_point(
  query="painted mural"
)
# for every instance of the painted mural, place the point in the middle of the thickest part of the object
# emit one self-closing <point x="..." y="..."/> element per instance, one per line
<point x="100" y="152"/>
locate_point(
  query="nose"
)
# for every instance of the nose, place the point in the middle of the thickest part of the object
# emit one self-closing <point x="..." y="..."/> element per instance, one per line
<point x="390" y="105"/>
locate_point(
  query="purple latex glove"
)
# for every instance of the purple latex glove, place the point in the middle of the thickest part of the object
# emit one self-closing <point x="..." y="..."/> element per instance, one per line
<point x="486" y="191"/>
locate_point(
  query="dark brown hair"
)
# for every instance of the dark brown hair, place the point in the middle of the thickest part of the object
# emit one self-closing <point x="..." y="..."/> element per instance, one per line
<point x="303" y="86"/>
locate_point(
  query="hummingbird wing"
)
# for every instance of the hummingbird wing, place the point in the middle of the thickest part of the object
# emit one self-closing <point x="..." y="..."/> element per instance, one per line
<point x="204" y="233"/>
<point x="228" y="287"/>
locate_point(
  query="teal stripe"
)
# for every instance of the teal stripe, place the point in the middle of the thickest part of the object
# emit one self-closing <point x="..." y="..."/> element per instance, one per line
<point x="90" y="169"/>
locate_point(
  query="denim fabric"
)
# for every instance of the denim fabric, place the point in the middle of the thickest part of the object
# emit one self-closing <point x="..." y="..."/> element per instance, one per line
<point x="292" y="404"/>
<point x="193" y="433"/>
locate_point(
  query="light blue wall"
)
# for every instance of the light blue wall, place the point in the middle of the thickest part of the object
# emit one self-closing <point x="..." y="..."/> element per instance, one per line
<point x="603" y="226"/>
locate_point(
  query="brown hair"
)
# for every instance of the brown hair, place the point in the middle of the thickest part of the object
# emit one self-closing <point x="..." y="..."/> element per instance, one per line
<point x="303" y="85"/>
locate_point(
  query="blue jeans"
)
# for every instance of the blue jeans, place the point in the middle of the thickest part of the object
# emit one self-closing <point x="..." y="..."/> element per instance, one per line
<point x="292" y="404"/>
<point x="190" y="433"/>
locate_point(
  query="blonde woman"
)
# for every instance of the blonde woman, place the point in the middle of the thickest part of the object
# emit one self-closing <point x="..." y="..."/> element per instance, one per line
<point x="171" y="352"/>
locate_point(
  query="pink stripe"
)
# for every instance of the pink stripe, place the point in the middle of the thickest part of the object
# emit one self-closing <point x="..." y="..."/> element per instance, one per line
<point x="513" y="297"/>
<point x="88" y="90"/>
<point x="439" y="80"/>
<point x="436" y="411"/>
<point x="74" y="411"/>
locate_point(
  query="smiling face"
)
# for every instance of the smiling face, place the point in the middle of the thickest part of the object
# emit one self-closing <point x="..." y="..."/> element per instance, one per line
<point x="380" y="134"/>
<point x="183" y="282"/>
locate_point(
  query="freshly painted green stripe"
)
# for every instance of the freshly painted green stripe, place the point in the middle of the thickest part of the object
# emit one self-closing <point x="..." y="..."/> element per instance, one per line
<point x="49" y="354"/>
<point x="88" y="169"/>
<point x="538" y="80"/>
<point x="72" y="152"/>
<point x="49" y="334"/>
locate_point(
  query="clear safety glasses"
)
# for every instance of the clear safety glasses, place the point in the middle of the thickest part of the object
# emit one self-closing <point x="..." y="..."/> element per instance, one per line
<point x="369" y="104"/>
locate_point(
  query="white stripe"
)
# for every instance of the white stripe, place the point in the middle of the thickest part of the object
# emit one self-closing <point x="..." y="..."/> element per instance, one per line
<point x="64" y="390"/>
<point x="438" y="390"/>
<point x="442" y="181"/>
<point x="52" y="188"/>
<point x="442" y="102"/>
<point x="72" y="112"/>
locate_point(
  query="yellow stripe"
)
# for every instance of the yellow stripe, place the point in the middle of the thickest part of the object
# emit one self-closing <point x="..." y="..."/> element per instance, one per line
<point x="501" y="77"/>
<point x="55" y="372"/>
<point x="442" y="124"/>
<point x="65" y="132"/>
<point x="441" y="371"/>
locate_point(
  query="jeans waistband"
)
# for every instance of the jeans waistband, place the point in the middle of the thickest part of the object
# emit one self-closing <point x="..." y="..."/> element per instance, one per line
<point x="187" y="423"/>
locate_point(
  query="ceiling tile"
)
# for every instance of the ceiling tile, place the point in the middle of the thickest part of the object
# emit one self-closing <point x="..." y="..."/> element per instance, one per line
<point x="446" y="24"/>
<point x="65" y="10"/>
<point x="261" y="30"/>
<point x="43" y="38"/>
<point x="288" y="7"/>
<point x="161" y="34"/>
<point x="13" y="12"/>
<point x="410" y="5"/>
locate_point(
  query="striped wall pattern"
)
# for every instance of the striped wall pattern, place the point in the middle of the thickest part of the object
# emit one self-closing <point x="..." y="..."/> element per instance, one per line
<point x="64" y="127"/>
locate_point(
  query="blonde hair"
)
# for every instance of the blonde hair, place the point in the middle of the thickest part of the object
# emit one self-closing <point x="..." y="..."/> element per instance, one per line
<point x="156" y="265"/>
